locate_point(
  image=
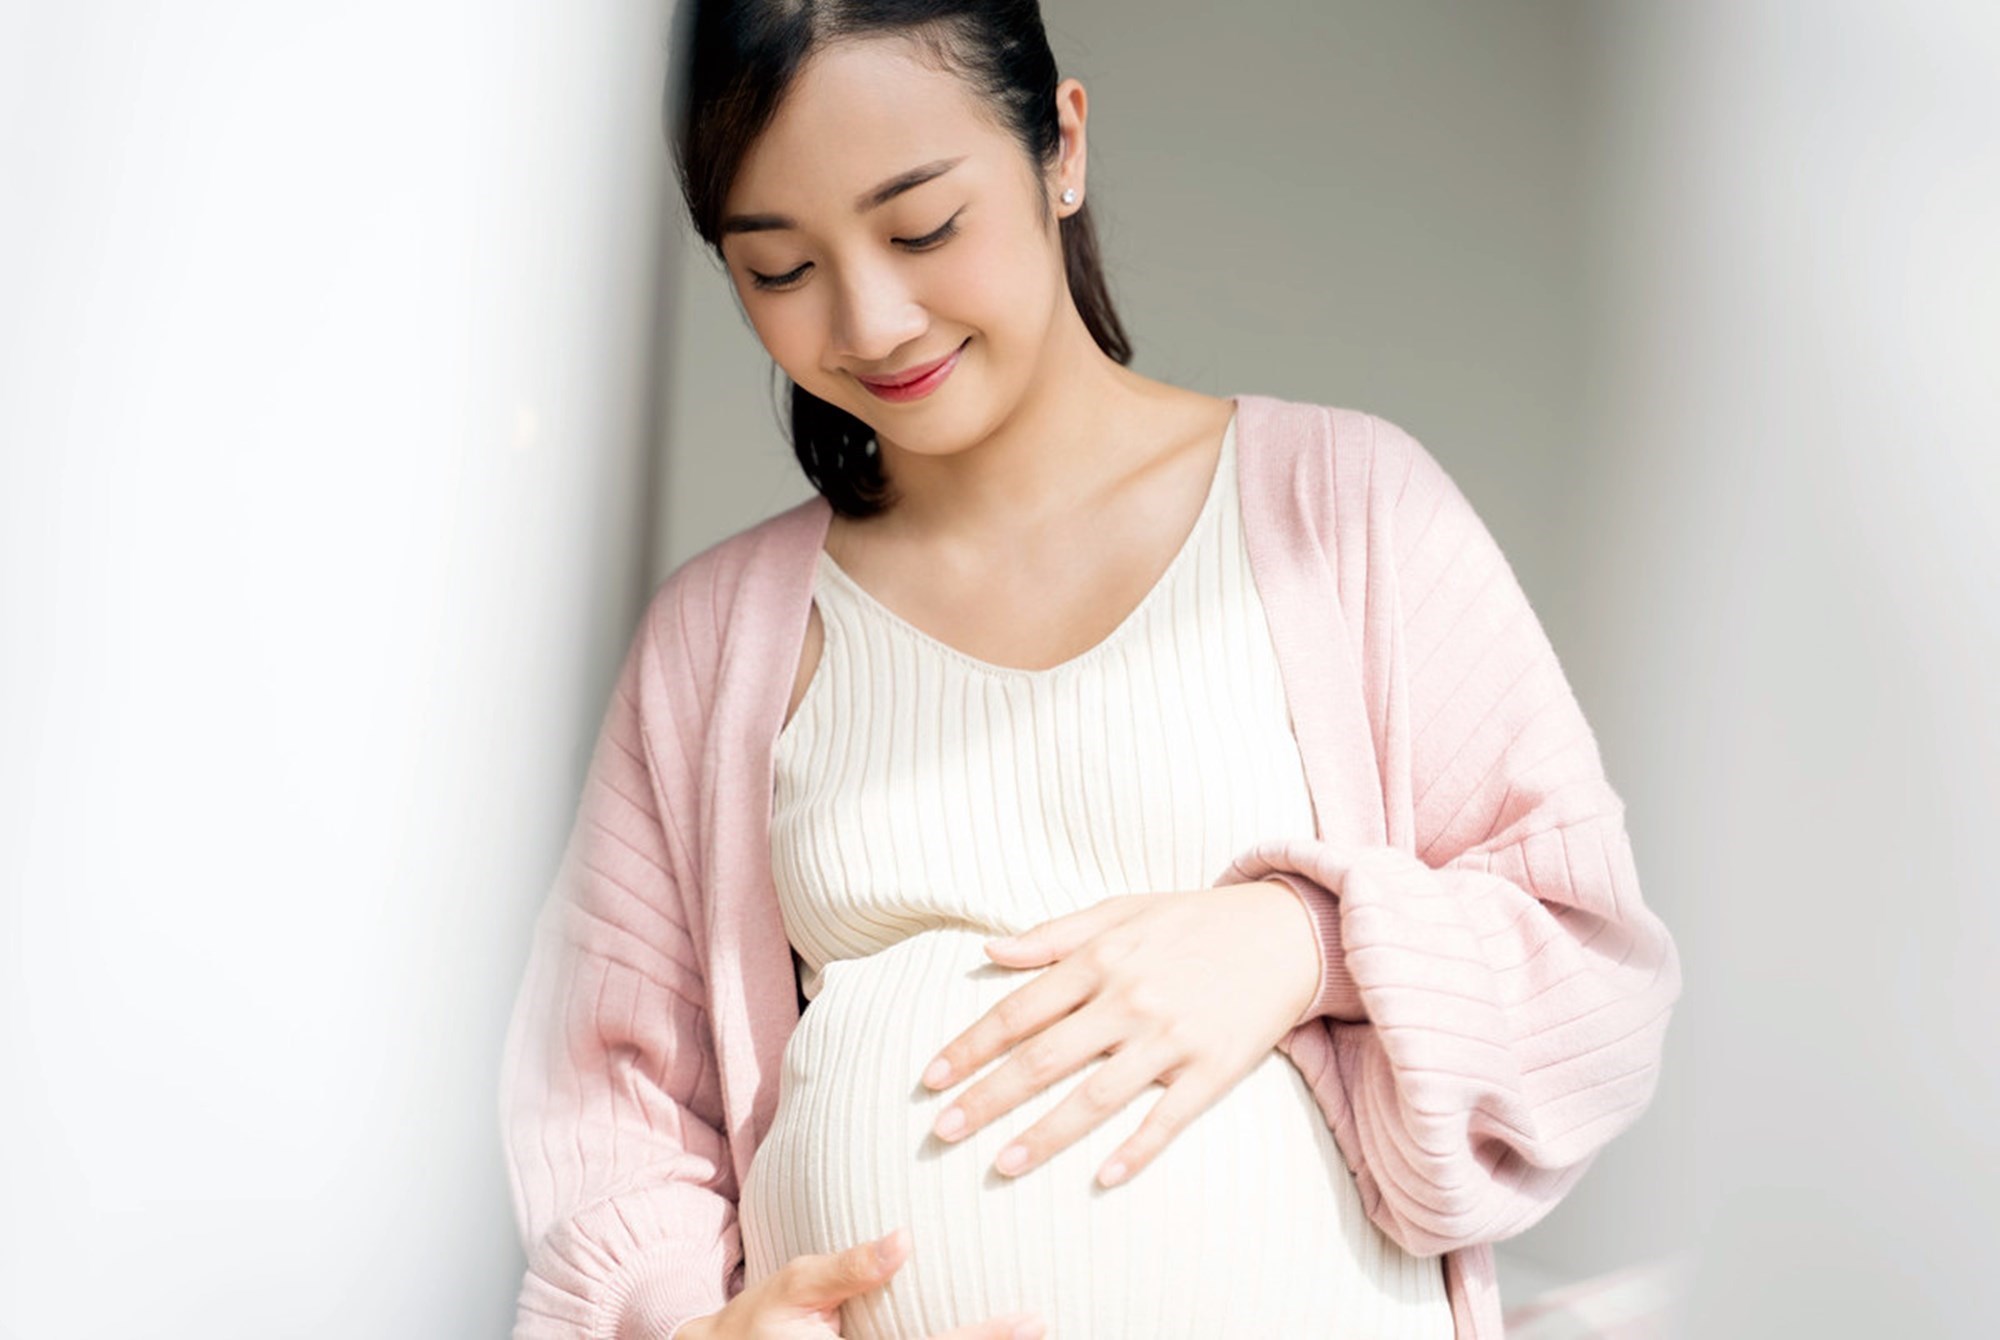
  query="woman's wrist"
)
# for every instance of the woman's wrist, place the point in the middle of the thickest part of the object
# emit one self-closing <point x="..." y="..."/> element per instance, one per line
<point x="1335" y="995"/>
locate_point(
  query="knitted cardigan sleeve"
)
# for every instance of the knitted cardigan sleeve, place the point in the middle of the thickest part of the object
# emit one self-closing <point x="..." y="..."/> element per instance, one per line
<point x="1495" y="993"/>
<point x="611" y="1106"/>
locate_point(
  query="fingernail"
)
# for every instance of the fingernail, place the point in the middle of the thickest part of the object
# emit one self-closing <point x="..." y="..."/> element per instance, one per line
<point x="1012" y="1159"/>
<point x="885" y="1248"/>
<point x="950" y="1124"/>
<point x="939" y="1072"/>
<point x="1030" y="1329"/>
<point x="1114" y="1173"/>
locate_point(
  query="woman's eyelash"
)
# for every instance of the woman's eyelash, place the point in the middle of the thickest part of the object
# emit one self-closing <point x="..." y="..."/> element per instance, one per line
<point x="775" y="281"/>
<point x="943" y="233"/>
<point x="937" y="237"/>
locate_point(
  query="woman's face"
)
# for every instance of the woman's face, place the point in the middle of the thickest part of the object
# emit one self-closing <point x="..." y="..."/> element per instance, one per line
<point x="841" y="283"/>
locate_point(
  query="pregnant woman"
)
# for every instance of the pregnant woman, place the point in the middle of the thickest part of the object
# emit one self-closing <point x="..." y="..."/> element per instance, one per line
<point x="928" y="799"/>
<point x="1131" y="855"/>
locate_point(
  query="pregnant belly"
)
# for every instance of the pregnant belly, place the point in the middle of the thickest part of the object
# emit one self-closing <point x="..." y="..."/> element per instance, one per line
<point x="1248" y="1223"/>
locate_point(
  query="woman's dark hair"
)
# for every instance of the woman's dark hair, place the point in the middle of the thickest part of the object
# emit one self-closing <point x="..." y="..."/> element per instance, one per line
<point x="736" y="60"/>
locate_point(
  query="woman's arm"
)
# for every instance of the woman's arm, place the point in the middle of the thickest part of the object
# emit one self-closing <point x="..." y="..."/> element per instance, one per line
<point x="1494" y="997"/>
<point x="611" y="1110"/>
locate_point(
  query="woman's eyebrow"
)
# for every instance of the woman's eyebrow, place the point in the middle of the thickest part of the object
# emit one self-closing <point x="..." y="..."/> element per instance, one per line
<point x="867" y="200"/>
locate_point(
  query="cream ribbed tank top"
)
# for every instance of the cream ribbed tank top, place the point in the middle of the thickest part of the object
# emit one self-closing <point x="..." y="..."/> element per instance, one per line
<point x="925" y="800"/>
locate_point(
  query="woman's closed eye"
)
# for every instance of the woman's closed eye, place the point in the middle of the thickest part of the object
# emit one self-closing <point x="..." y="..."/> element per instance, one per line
<point x="935" y="238"/>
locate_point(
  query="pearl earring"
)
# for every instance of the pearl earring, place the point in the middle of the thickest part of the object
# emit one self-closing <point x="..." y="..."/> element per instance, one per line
<point x="1069" y="196"/>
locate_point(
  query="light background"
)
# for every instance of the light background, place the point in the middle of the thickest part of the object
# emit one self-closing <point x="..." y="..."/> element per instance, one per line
<point x="358" y="383"/>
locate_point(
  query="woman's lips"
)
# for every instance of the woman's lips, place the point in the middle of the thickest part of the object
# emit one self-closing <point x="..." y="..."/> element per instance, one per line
<point x="925" y="381"/>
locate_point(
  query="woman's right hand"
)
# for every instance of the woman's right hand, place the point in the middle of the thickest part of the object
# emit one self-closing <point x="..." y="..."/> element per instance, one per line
<point x="801" y="1299"/>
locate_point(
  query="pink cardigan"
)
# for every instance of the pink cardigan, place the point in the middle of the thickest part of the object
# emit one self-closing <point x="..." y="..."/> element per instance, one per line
<point x="1495" y="994"/>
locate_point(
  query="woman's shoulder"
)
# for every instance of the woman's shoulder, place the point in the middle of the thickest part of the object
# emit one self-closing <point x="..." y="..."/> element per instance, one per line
<point x="1320" y="427"/>
<point x="1350" y="460"/>
<point x="752" y="572"/>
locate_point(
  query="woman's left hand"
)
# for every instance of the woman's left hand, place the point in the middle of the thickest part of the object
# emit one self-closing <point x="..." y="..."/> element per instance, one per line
<point x="1190" y="989"/>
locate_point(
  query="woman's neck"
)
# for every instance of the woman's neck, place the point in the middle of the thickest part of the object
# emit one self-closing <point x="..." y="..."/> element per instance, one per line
<point x="1087" y="423"/>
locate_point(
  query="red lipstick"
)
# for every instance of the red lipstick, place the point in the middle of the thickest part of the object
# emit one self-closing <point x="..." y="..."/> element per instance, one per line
<point x="917" y="382"/>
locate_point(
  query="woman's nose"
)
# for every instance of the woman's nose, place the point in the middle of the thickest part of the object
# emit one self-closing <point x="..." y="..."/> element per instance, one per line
<point x="876" y="317"/>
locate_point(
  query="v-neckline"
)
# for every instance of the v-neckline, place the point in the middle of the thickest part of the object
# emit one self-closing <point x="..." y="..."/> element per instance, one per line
<point x="1226" y="458"/>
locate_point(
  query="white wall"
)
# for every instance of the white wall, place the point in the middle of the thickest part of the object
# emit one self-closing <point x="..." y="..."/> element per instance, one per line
<point x="326" y="407"/>
<point x="1792" y="610"/>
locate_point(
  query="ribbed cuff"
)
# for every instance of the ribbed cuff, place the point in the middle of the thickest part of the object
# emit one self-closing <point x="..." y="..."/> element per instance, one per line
<point x="658" y="1293"/>
<point x="1338" y="996"/>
